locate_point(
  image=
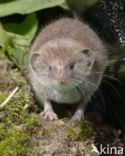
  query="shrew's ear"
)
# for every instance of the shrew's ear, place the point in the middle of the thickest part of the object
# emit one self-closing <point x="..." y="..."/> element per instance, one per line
<point x="90" y="56"/>
<point x="34" y="60"/>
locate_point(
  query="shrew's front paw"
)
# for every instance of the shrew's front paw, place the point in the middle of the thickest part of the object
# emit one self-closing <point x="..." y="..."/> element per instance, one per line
<point x="49" y="115"/>
<point x="78" y="116"/>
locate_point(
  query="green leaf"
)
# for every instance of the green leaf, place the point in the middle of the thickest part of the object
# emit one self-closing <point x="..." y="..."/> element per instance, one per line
<point x="18" y="56"/>
<point x="4" y="41"/>
<point x="79" y="6"/>
<point x="27" y="6"/>
<point x="27" y="28"/>
<point x="121" y="72"/>
<point x="21" y="36"/>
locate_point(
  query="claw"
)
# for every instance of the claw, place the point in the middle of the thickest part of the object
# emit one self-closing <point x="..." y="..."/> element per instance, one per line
<point x="49" y="115"/>
<point x="78" y="117"/>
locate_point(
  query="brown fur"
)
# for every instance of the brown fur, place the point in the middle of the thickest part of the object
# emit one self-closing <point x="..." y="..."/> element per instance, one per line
<point x="59" y="47"/>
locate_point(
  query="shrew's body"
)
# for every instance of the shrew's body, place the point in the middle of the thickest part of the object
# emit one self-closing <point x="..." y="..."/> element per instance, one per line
<point x="66" y="63"/>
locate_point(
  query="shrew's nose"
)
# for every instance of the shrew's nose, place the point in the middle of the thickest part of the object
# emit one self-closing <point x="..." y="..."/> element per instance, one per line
<point x="62" y="82"/>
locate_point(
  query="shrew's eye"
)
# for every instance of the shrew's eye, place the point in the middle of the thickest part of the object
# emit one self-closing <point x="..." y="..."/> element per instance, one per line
<point x="72" y="65"/>
<point x="50" y="67"/>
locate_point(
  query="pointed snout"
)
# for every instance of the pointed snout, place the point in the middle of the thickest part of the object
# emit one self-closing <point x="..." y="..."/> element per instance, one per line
<point x="61" y="75"/>
<point x="61" y="82"/>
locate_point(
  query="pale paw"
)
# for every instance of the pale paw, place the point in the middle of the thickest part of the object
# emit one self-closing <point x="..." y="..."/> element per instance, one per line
<point x="49" y="115"/>
<point x="78" y="117"/>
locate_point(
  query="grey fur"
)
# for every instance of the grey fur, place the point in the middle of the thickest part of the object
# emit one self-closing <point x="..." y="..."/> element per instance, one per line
<point x="59" y="47"/>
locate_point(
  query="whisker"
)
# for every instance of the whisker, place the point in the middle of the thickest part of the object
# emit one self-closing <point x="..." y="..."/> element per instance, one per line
<point x="98" y="91"/>
<point x="108" y="76"/>
<point x="101" y="96"/>
<point x="79" y="87"/>
<point x="113" y="88"/>
<point x="119" y="59"/>
<point x="113" y="78"/>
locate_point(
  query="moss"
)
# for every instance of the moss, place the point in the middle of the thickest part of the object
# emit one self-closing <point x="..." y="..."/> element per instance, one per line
<point x="18" y="127"/>
<point x="13" y="142"/>
<point x="46" y="132"/>
<point x="86" y="130"/>
<point x="3" y="95"/>
<point x="71" y="134"/>
<point x="81" y="132"/>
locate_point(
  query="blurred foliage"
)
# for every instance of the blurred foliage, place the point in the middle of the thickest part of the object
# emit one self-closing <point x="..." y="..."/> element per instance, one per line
<point x="79" y="6"/>
<point x="16" y="37"/>
<point x="26" y="6"/>
<point x="108" y="17"/>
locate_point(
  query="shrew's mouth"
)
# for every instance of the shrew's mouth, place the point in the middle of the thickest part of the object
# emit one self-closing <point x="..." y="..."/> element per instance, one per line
<point x="65" y="87"/>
